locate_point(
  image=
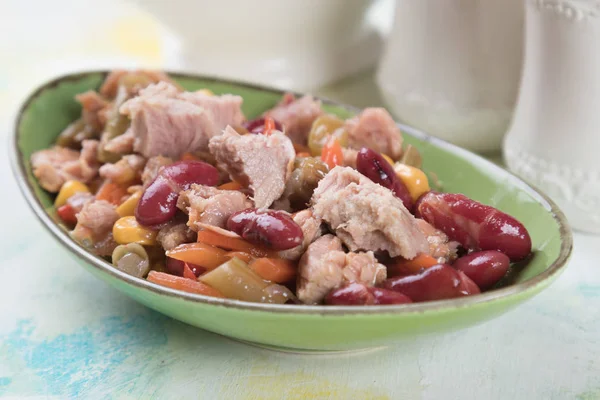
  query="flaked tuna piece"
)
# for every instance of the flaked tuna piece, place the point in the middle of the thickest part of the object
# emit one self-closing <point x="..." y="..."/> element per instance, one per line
<point x="122" y="144"/>
<point x="152" y="166"/>
<point x="440" y="246"/>
<point x="324" y="267"/>
<point x="367" y="216"/>
<point x="262" y="163"/>
<point x="110" y="86"/>
<point x="207" y="205"/>
<point x="127" y="169"/>
<point x="376" y="129"/>
<point x="311" y="229"/>
<point x="53" y="167"/>
<point x="94" y="227"/>
<point x="94" y="109"/>
<point x="165" y="121"/>
<point x="174" y="234"/>
<point x="296" y="116"/>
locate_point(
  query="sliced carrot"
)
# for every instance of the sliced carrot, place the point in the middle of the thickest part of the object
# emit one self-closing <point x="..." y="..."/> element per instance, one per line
<point x="189" y="157"/>
<point x="183" y="284"/>
<point x="232" y="243"/>
<point x="111" y="192"/>
<point x="408" y="267"/>
<point x="233" y="185"/>
<point x="245" y="257"/>
<point x="269" y="125"/>
<point x="303" y="154"/>
<point x="300" y="148"/>
<point x="332" y="153"/>
<point x="274" y="269"/>
<point x="201" y="254"/>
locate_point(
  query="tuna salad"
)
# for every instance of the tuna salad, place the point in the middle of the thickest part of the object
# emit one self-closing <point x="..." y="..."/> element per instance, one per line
<point x="294" y="205"/>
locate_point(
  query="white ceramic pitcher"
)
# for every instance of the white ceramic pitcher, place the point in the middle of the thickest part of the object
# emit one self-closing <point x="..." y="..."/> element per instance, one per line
<point x="452" y="68"/>
<point x="554" y="140"/>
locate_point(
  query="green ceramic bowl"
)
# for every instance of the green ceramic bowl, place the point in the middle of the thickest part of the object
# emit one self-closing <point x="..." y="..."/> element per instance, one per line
<point x="311" y="328"/>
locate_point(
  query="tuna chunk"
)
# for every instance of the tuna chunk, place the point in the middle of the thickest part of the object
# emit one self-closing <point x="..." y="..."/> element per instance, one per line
<point x="262" y="163"/>
<point x="126" y="170"/>
<point x="376" y="129"/>
<point x="94" y="109"/>
<point x="211" y="206"/>
<point x="311" y="228"/>
<point x="94" y="227"/>
<point x="122" y="144"/>
<point x="296" y="116"/>
<point x="320" y="269"/>
<point x="53" y="167"/>
<point x="174" y="234"/>
<point x="152" y="166"/>
<point x="440" y="247"/>
<point x="367" y="216"/>
<point x="111" y="84"/>
<point x="167" y="122"/>
<point x="325" y="267"/>
<point x="349" y="157"/>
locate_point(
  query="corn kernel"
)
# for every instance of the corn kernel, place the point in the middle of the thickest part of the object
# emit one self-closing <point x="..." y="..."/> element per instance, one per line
<point x="128" y="230"/>
<point x="413" y="178"/>
<point x="206" y="92"/>
<point x="127" y="208"/>
<point x="388" y="159"/>
<point x="68" y="189"/>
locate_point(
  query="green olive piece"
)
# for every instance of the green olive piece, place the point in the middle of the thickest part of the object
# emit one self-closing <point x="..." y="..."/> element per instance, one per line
<point x="236" y="281"/>
<point x="132" y="259"/>
<point x="322" y="129"/>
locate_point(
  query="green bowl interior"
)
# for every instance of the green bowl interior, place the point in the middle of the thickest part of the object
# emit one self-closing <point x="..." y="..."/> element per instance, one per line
<point x="54" y="107"/>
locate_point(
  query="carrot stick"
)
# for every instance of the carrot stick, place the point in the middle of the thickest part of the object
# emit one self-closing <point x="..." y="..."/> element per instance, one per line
<point x="233" y="185"/>
<point x="231" y="243"/>
<point x="111" y="192"/>
<point x="274" y="269"/>
<point x="183" y="284"/>
<point x="201" y="254"/>
<point x="245" y="257"/>
<point x="332" y="153"/>
<point x="401" y="266"/>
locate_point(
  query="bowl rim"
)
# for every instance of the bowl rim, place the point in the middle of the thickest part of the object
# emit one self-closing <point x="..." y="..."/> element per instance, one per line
<point x="19" y="171"/>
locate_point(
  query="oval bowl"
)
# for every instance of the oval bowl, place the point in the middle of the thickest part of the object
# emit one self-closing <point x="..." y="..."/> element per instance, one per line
<point x="310" y="328"/>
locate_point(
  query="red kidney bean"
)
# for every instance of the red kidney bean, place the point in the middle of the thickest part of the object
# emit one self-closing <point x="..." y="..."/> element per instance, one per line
<point x="435" y="283"/>
<point x="185" y="173"/>
<point x="485" y="268"/>
<point x="271" y="228"/>
<point x="385" y="296"/>
<point x="175" y="267"/>
<point x="474" y="225"/>
<point x="359" y="294"/>
<point x="372" y="165"/>
<point x="158" y="203"/>
<point x="467" y="286"/>
<point x="258" y="125"/>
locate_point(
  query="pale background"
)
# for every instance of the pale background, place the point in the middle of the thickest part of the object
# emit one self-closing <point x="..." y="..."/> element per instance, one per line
<point x="65" y="334"/>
